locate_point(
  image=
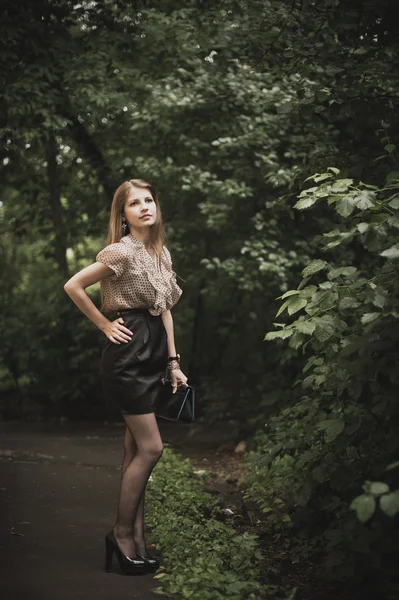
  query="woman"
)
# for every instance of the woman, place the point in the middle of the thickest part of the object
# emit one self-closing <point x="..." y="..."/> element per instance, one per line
<point x="139" y="285"/>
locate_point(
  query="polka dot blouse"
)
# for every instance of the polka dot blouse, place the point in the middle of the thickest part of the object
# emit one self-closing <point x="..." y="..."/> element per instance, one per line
<point x="137" y="281"/>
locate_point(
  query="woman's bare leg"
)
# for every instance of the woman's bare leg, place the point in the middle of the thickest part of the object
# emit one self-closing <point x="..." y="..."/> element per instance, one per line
<point x="130" y="449"/>
<point x="149" y="448"/>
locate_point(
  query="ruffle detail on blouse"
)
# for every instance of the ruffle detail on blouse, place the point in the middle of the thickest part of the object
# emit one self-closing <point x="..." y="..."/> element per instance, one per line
<point x="167" y="292"/>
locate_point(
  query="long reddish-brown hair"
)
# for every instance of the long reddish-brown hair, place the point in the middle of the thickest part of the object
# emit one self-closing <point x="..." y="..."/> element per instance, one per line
<point x="115" y="231"/>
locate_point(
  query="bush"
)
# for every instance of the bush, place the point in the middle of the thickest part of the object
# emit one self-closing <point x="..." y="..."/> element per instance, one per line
<point x="309" y="462"/>
<point x="204" y="558"/>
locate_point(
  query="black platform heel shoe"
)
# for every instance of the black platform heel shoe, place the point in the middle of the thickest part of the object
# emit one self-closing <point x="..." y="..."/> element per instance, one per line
<point x="152" y="563"/>
<point x="129" y="566"/>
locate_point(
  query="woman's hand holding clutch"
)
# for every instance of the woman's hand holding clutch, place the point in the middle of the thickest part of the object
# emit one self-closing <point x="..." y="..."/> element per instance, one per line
<point x="177" y="378"/>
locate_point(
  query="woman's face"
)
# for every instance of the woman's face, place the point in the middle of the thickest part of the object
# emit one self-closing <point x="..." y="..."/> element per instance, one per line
<point x="140" y="209"/>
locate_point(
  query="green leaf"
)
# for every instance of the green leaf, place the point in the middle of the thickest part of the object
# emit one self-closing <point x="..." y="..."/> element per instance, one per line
<point x="392" y="252"/>
<point x="364" y="506"/>
<point x="362" y="227"/>
<point x="334" y="170"/>
<point x="379" y="158"/>
<point x="369" y="317"/>
<point x="393" y="465"/>
<point x="345" y="207"/>
<point x="341" y="185"/>
<point x="289" y="293"/>
<point x="322" y="177"/>
<point x="306" y="327"/>
<point x="308" y="291"/>
<point x="368" y="185"/>
<point x="296" y="304"/>
<point x="341" y="236"/>
<point x="305" y="203"/>
<point x="282" y="334"/>
<point x="381" y="217"/>
<point x="308" y="191"/>
<point x="333" y="244"/>
<point x="348" y="302"/>
<point x="296" y="340"/>
<point x="394" y="201"/>
<point x="335" y="198"/>
<point x="326" y="285"/>
<point x="333" y="428"/>
<point x="311" y="177"/>
<point x="389" y="503"/>
<point x="332" y="233"/>
<point x="282" y="308"/>
<point x="380" y="298"/>
<point x="377" y="488"/>
<point x="365" y="200"/>
<point x="390" y="148"/>
<point x="325" y="328"/>
<point x="392" y="176"/>
<point x="348" y="271"/>
<point x="314" y="267"/>
<point x="394" y="221"/>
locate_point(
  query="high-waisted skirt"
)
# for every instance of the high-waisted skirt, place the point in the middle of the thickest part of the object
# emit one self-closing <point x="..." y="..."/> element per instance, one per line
<point x="131" y="371"/>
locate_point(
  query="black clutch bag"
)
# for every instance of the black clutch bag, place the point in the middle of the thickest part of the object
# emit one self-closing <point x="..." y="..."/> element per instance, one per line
<point x="178" y="406"/>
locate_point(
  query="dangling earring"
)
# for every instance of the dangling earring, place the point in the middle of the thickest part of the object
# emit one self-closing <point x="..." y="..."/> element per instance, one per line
<point x="124" y="226"/>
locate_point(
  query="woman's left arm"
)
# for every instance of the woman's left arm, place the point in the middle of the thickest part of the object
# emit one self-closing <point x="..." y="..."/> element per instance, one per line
<point x="177" y="376"/>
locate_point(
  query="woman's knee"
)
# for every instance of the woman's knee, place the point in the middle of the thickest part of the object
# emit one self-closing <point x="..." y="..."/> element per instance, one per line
<point x="147" y="440"/>
<point x="154" y="450"/>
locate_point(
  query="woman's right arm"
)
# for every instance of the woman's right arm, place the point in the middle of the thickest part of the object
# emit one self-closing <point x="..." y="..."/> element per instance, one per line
<point x="75" y="288"/>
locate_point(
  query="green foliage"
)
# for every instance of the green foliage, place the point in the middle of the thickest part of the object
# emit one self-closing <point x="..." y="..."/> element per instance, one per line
<point x="204" y="558"/>
<point x="312" y="456"/>
<point x="350" y="319"/>
<point x="376" y="492"/>
<point x="50" y="354"/>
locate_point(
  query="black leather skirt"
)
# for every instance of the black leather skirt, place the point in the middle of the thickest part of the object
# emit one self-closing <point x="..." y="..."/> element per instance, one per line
<point x="131" y="371"/>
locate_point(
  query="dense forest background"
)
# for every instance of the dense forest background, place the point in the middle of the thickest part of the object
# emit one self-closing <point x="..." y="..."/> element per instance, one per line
<point x="270" y="131"/>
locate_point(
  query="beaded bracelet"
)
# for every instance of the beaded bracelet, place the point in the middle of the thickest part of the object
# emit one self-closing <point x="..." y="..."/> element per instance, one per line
<point x="170" y="367"/>
<point x="173" y="364"/>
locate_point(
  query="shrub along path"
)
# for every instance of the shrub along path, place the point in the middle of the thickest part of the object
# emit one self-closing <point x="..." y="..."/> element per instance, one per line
<point x="217" y="453"/>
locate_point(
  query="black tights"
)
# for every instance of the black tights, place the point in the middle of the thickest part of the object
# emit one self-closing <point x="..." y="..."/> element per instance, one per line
<point x="142" y="449"/>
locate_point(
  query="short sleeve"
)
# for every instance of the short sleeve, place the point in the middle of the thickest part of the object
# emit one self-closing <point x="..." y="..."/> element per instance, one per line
<point x="115" y="257"/>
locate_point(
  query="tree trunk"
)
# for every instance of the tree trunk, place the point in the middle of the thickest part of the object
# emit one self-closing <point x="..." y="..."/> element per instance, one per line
<point x="90" y="149"/>
<point x="55" y="206"/>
